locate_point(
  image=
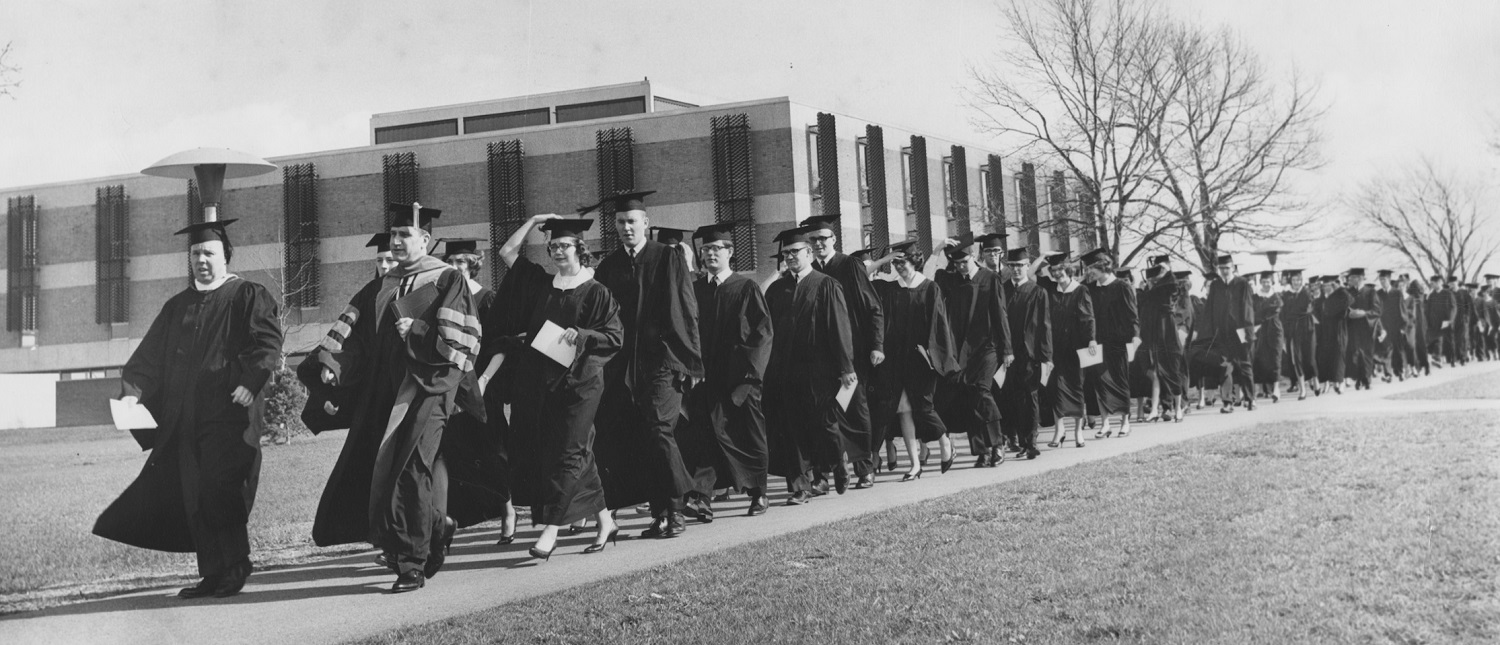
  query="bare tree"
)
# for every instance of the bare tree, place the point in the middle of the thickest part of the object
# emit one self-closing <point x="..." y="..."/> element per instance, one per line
<point x="1430" y="217"/>
<point x="1064" y="94"/>
<point x="10" y="73"/>
<point x="1230" y="141"/>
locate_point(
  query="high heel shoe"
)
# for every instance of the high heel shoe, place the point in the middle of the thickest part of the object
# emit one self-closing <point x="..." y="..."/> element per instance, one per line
<point x="506" y="539"/>
<point x="912" y="475"/>
<point x="891" y="465"/>
<point x="539" y="554"/>
<point x="599" y="546"/>
<point x="947" y="464"/>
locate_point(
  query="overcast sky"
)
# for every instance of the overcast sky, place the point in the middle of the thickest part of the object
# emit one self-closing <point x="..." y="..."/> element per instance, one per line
<point x="109" y="87"/>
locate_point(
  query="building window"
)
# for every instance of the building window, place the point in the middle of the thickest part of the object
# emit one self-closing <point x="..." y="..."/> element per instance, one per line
<point x="415" y="131"/>
<point x="873" y="181"/>
<point x="828" y="171"/>
<point x="398" y="181"/>
<point x="956" y="187"/>
<point x="984" y="186"/>
<point x="112" y="252"/>
<point x="195" y="204"/>
<point x="300" y="264"/>
<point x="862" y="179"/>
<point x="615" y="150"/>
<point x="21" y="268"/>
<point x="994" y="203"/>
<point x="948" y="212"/>
<point x="814" y="178"/>
<point x="601" y="109"/>
<point x="507" y="120"/>
<point x="921" y="200"/>
<point x="734" y="194"/>
<point x="906" y="201"/>
<point x="507" y="187"/>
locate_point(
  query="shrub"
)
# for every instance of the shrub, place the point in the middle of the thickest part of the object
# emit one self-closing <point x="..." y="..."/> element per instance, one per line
<point x="284" y="397"/>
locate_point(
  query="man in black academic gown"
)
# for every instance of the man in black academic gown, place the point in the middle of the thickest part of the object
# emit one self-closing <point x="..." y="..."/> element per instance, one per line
<point x="1364" y="329"/>
<point x="639" y="459"/>
<point x="198" y="369"/>
<point x="1031" y="340"/>
<point x="1299" y="320"/>
<point x="725" y="445"/>
<point x="1231" y="310"/>
<point x="1464" y="319"/>
<point x="975" y="297"/>
<point x="811" y="360"/>
<point x="1392" y="348"/>
<point x="405" y="366"/>
<point x="1442" y="311"/>
<point x="868" y="322"/>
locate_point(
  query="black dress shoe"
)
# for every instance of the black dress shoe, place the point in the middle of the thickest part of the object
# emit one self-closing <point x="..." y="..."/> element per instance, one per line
<point x="841" y="482"/>
<point x="233" y="581"/>
<point x="982" y="462"/>
<point x="203" y="589"/>
<point x="388" y="560"/>
<point x="409" y="581"/>
<point x="757" y="506"/>
<point x="657" y="528"/>
<point x="439" y="551"/>
<point x="722" y="497"/>
<point x="704" y="510"/>
<point x="1032" y="452"/>
<point x="798" y="498"/>
<point x="819" y="488"/>
<point x="676" y="525"/>
<point x="944" y="466"/>
<point x="865" y="481"/>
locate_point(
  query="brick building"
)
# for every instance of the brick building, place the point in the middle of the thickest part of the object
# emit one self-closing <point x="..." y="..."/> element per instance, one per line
<point x="89" y="263"/>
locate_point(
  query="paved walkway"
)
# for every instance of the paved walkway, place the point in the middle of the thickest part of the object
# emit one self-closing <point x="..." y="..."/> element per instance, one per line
<point x="343" y="598"/>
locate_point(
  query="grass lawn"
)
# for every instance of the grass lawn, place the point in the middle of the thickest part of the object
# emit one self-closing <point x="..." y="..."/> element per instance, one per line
<point x="1362" y="530"/>
<point x="1484" y="386"/>
<point x="56" y="483"/>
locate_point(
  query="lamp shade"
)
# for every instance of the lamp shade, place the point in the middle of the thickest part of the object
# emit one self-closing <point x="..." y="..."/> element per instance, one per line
<point x="210" y="166"/>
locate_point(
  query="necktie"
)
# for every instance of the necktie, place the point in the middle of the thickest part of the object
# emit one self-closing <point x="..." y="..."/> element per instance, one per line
<point x="818" y="264"/>
<point x="406" y="284"/>
<point x="714" y="281"/>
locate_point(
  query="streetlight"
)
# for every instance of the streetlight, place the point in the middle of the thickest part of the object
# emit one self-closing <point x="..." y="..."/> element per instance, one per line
<point x="210" y="166"/>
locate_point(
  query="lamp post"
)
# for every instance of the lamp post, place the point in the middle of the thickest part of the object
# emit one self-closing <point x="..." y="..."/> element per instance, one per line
<point x="210" y="166"/>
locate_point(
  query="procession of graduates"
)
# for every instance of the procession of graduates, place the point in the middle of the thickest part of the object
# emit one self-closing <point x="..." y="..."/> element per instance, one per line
<point x="657" y="378"/>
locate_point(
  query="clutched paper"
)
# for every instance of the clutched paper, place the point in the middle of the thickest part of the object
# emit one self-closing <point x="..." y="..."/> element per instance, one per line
<point x="1381" y="337"/>
<point x="1130" y="348"/>
<point x="845" y="395"/>
<point x="1244" y="334"/>
<point x="131" y="415"/>
<point x="1000" y="377"/>
<point x="1046" y="372"/>
<point x="1086" y="359"/>
<point x="549" y="341"/>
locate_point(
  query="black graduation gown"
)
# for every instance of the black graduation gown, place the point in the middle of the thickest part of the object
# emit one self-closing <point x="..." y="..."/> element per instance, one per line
<point x="1442" y="315"/>
<point x="1362" y="334"/>
<point x="1299" y="323"/>
<point x="866" y="322"/>
<point x="1161" y="347"/>
<point x="1031" y="338"/>
<point x="1205" y="366"/>
<point x="1269" y="339"/>
<point x="204" y="461"/>
<point x="1231" y="310"/>
<point x="552" y="418"/>
<point x="473" y="447"/>
<point x="1333" y="335"/>
<point x="1072" y="329"/>
<point x="919" y="353"/>
<point x="1417" y="304"/>
<point x="1116" y="323"/>
<point x="981" y="333"/>
<point x="724" y="444"/>
<point x="814" y="346"/>
<point x="639" y="458"/>
<point x="1394" y="319"/>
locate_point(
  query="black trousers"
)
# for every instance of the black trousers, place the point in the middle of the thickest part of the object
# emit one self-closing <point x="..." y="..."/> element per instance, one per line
<point x="1020" y="409"/>
<point x="971" y="409"/>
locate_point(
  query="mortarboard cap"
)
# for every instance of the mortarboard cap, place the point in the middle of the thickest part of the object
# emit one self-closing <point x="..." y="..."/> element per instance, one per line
<point x="667" y="235"/>
<point x="1453" y="278"/>
<point x="623" y="202"/>
<point x="822" y="222"/>
<point x="1161" y="259"/>
<point x="1491" y="276"/>
<point x="903" y="247"/>
<point x="1291" y="273"/>
<point x="1094" y="256"/>
<point x="1385" y="273"/>
<point x="1015" y="256"/>
<point x="457" y="245"/>
<point x="1359" y="271"/>
<point x="1125" y="274"/>
<point x="381" y="242"/>
<point x="1155" y="270"/>
<point x="794" y="235"/>
<point x="861" y="254"/>
<point x="1182" y="275"/>
<point x="991" y="240"/>
<point x="403" y="214"/>
<point x="1226" y="259"/>
<point x="207" y="231"/>
<point x="563" y="227"/>
<point x="1056" y="258"/>
<point x="1471" y="285"/>
<point x="722" y="232"/>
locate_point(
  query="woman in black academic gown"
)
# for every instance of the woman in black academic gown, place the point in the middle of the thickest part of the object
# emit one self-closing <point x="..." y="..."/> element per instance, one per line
<point x="1161" y="348"/>
<point x="552" y="416"/>
<point x="919" y="352"/>
<point x="1333" y="334"/>
<point x="1072" y="330"/>
<point x="1269" y="337"/>
<point x="1116" y="324"/>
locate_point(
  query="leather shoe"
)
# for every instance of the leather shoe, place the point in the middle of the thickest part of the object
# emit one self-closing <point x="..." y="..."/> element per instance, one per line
<point x="799" y="498"/>
<point x="409" y="581"/>
<point x="757" y="506"/>
<point x="819" y="488"/>
<point x="983" y="461"/>
<point x="203" y="589"/>
<point x="865" y="481"/>
<point x="676" y="525"/>
<point x="388" y="560"/>
<point x="841" y="481"/>
<point x="657" y="529"/>
<point x="439" y="551"/>
<point x="234" y="580"/>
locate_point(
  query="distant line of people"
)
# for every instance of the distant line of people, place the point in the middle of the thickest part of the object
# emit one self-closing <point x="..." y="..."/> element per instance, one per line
<point x="657" y="377"/>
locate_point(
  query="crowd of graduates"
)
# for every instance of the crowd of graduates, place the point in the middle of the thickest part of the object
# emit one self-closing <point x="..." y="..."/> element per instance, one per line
<point x="658" y="378"/>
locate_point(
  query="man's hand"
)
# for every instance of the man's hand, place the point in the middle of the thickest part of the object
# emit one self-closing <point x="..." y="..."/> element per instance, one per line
<point x="740" y="394"/>
<point x="329" y="378"/>
<point x="130" y="400"/>
<point x="1009" y="358"/>
<point x="1093" y="348"/>
<point x="329" y="408"/>
<point x="403" y="327"/>
<point x="570" y="336"/>
<point x="877" y="357"/>
<point x="242" y="396"/>
<point x="484" y="383"/>
<point x="848" y="380"/>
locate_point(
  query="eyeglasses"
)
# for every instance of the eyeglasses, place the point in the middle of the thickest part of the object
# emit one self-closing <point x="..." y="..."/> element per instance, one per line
<point x="820" y="240"/>
<point x="713" y="247"/>
<point x="789" y="252"/>
<point x="560" y="246"/>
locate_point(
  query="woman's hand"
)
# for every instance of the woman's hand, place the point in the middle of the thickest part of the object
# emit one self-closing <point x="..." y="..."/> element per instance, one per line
<point x="403" y="327"/>
<point x="538" y="219"/>
<point x="242" y="396"/>
<point x="570" y="336"/>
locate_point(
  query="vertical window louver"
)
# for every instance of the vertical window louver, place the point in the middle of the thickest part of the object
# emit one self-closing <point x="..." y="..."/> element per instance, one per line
<point x="996" y="206"/>
<point x="112" y="252"/>
<point x="958" y="192"/>
<point x="828" y="170"/>
<point x="507" y="190"/>
<point x="21" y="264"/>
<point x="398" y="181"/>
<point x="615" y="149"/>
<point x="880" y="223"/>
<point x="300" y="264"/>
<point x="1057" y="194"/>
<point x="1027" y="193"/>
<point x="734" y="194"/>
<point x="195" y="204"/>
<point x="920" y="192"/>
